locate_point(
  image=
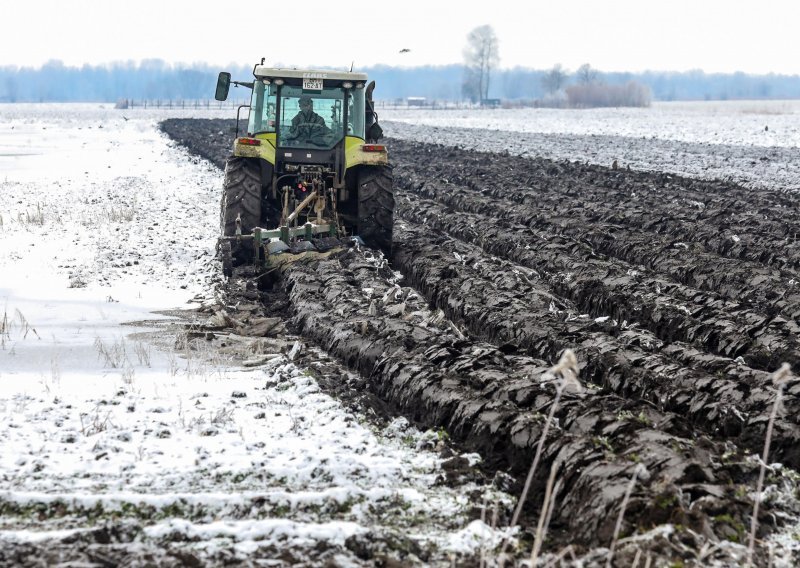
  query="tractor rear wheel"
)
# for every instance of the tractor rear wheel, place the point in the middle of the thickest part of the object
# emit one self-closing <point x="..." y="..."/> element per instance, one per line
<point x="241" y="198"/>
<point x="376" y="207"/>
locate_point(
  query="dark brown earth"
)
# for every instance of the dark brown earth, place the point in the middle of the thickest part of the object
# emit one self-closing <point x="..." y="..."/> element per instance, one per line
<point x="679" y="296"/>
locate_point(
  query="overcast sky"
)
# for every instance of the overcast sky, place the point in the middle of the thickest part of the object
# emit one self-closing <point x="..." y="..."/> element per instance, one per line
<point x="754" y="36"/>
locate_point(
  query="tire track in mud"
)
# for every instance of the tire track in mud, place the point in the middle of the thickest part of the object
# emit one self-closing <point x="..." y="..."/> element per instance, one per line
<point x="493" y="398"/>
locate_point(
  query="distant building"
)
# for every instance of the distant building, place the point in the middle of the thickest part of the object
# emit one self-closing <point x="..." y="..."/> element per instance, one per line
<point x="491" y="103"/>
<point x="416" y="101"/>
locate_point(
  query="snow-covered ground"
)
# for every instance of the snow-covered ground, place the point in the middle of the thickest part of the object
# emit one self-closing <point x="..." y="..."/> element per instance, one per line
<point x="745" y="123"/>
<point x="111" y="438"/>
<point x="755" y="143"/>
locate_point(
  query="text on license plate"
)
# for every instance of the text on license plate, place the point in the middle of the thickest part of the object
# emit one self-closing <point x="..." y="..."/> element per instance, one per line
<point x="312" y="84"/>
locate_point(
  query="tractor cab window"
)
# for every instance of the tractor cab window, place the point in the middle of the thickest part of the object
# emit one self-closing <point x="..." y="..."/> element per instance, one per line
<point x="355" y="113"/>
<point x="311" y="119"/>
<point x="262" y="108"/>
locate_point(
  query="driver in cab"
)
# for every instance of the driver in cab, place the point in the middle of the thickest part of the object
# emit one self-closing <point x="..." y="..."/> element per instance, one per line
<point x="307" y="124"/>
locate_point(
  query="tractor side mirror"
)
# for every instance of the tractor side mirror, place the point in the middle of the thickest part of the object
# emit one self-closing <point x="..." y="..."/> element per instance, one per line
<point x="223" y="86"/>
<point x="374" y="132"/>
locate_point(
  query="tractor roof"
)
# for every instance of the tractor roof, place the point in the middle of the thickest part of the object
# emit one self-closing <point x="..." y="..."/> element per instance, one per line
<point x="272" y="72"/>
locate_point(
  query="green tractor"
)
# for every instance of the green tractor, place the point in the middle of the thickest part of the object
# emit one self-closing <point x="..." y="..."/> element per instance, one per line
<point x="307" y="167"/>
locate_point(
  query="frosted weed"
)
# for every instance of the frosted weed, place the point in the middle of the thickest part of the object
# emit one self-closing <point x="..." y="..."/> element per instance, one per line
<point x="567" y="368"/>
<point x="97" y="423"/>
<point x="128" y="374"/>
<point x="173" y="364"/>
<point x="35" y="217"/>
<point x="114" y="356"/>
<point x="779" y="379"/>
<point x="25" y="327"/>
<point x="142" y="353"/>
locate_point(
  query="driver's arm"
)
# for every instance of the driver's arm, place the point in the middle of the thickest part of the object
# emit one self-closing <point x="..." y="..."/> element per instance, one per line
<point x="294" y="130"/>
<point x="321" y="121"/>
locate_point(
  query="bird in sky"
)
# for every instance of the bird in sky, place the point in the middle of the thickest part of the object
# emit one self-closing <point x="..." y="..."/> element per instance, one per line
<point x="405" y="50"/>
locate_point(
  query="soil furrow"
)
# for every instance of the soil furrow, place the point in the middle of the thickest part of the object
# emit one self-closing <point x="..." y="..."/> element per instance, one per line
<point x="726" y="219"/>
<point x="494" y="403"/>
<point x="765" y="288"/>
<point x="498" y="302"/>
<point x="602" y="286"/>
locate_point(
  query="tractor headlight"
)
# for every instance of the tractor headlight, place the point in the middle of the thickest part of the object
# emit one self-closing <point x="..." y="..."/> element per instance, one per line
<point x="347" y="85"/>
<point x="279" y="81"/>
<point x="266" y="81"/>
<point x="359" y="85"/>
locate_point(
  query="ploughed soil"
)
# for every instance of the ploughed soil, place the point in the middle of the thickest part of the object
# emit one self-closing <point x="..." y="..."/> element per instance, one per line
<point x="680" y="298"/>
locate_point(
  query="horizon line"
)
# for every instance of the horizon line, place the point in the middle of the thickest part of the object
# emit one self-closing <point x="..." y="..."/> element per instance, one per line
<point x="139" y="63"/>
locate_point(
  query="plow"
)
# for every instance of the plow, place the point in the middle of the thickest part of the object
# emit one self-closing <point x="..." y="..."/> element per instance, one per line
<point x="272" y="247"/>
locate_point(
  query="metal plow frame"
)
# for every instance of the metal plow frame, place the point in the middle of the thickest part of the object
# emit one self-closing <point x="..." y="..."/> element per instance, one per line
<point x="261" y="239"/>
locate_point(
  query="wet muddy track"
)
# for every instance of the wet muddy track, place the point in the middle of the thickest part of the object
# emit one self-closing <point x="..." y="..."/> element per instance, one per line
<point x="515" y="280"/>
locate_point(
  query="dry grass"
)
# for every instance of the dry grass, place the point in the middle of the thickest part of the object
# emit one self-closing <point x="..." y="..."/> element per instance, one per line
<point x="545" y="513"/>
<point x="19" y="321"/>
<point x="639" y="472"/>
<point x="35" y="217"/>
<point x="95" y="425"/>
<point x="5" y="330"/>
<point x="567" y="368"/>
<point x="142" y="352"/>
<point x="25" y="327"/>
<point x="114" y="356"/>
<point x="779" y="379"/>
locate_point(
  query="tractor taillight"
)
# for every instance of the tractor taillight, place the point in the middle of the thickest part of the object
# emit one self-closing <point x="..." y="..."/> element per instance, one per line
<point x="373" y="147"/>
<point x="249" y="141"/>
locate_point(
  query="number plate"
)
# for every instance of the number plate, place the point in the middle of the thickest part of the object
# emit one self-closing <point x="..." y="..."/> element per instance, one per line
<point x="312" y="84"/>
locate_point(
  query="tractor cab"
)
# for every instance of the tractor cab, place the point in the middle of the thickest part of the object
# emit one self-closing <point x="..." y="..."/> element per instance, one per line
<point x="307" y="112"/>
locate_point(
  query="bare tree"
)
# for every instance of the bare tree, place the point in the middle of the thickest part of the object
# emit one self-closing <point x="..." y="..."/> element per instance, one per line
<point x="586" y="75"/>
<point x="554" y="79"/>
<point x="481" y="55"/>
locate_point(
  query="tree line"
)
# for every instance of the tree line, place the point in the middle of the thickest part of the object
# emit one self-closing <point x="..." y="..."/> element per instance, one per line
<point x="591" y="88"/>
<point x="155" y="79"/>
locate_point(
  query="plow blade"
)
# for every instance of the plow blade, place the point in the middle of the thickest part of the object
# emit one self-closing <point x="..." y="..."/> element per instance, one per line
<point x="269" y="249"/>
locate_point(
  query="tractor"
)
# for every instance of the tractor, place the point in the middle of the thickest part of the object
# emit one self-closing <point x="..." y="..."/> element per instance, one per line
<point x="308" y="166"/>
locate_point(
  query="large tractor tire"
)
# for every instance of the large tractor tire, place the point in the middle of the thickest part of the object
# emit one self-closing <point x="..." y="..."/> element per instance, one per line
<point x="241" y="197"/>
<point x="376" y="207"/>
